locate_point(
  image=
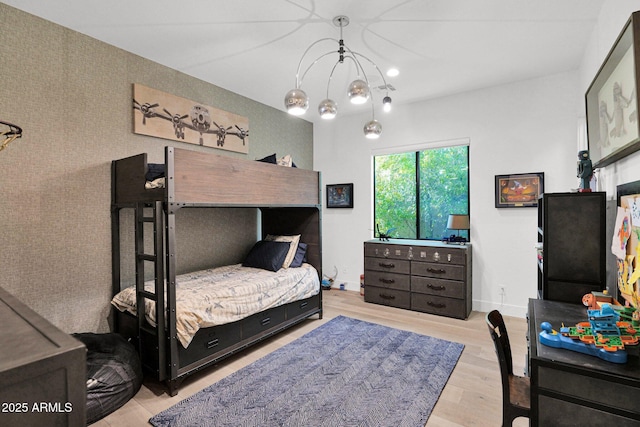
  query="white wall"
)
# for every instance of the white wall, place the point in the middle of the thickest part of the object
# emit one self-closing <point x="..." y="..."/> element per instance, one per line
<point x="516" y="128"/>
<point x="529" y="126"/>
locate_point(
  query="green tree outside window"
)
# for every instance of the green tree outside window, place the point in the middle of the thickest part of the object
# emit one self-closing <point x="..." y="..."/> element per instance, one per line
<point x="414" y="192"/>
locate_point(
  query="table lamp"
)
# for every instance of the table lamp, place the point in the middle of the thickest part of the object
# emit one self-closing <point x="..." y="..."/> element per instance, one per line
<point x="458" y="222"/>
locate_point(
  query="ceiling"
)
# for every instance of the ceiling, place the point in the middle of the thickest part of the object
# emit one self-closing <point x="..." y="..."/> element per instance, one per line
<point x="252" y="47"/>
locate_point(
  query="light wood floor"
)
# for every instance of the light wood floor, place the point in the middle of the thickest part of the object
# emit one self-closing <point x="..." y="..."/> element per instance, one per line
<point x="472" y="397"/>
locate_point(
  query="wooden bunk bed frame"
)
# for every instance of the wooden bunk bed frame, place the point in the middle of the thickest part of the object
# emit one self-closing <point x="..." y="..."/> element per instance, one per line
<point x="289" y="200"/>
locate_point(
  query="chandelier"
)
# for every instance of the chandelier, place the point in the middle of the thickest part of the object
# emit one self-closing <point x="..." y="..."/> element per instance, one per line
<point x="359" y="91"/>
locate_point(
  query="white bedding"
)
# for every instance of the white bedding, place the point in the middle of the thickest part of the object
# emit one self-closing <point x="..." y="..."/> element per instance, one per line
<point x="226" y="294"/>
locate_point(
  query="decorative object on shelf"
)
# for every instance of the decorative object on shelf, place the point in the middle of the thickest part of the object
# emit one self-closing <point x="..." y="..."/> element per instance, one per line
<point x="384" y="237"/>
<point x="8" y="135"/>
<point x="359" y="91"/>
<point x="457" y="222"/>
<point x="159" y="114"/>
<point x="585" y="171"/>
<point x="519" y="190"/>
<point x="613" y="128"/>
<point x="340" y="196"/>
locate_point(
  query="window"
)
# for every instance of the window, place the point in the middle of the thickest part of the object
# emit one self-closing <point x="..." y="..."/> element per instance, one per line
<point x="414" y="192"/>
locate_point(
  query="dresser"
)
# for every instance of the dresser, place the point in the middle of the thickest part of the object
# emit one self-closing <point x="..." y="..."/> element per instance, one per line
<point x="420" y="275"/>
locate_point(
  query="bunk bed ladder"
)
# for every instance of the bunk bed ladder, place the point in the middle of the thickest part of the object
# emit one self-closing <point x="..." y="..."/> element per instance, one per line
<point x="157" y="296"/>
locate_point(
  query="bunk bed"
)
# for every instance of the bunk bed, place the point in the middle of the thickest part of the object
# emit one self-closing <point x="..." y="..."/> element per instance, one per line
<point x="289" y="203"/>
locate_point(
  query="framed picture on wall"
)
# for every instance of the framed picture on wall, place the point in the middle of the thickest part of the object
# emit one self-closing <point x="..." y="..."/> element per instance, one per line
<point x="519" y="190"/>
<point x="340" y="195"/>
<point x="613" y="129"/>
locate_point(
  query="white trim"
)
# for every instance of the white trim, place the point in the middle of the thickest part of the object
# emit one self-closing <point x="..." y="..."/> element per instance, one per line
<point x="421" y="146"/>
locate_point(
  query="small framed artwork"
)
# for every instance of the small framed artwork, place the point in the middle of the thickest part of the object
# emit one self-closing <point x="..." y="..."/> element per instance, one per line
<point x="613" y="128"/>
<point x="340" y="195"/>
<point x="519" y="190"/>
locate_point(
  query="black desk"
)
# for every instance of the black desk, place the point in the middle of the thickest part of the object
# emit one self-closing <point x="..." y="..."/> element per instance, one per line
<point x="575" y="389"/>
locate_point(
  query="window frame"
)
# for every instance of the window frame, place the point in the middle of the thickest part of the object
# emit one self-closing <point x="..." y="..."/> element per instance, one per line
<point x="416" y="149"/>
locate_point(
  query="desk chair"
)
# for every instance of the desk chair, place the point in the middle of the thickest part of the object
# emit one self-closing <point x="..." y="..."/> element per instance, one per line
<point x="516" y="395"/>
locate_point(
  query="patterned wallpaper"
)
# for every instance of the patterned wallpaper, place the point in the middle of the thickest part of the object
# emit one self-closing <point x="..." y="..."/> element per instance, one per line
<point x="71" y="95"/>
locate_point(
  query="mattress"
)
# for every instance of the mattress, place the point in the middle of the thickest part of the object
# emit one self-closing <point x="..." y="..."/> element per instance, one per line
<point x="226" y="294"/>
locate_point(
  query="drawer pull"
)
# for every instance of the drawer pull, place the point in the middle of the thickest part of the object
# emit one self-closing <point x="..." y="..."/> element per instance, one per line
<point x="213" y="343"/>
<point x="386" y="264"/>
<point x="436" y="270"/>
<point x="436" y="287"/>
<point x="304" y="304"/>
<point x="388" y="297"/>
<point x="435" y="305"/>
<point x="266" y="321"/>
<point x="387" y="281"/>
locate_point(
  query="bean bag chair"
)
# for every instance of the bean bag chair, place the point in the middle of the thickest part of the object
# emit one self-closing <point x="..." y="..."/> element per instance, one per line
<point x="114" y="373"/>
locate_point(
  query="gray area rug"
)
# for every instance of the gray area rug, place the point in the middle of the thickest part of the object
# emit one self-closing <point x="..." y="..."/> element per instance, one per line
<point x="346" y="372"/>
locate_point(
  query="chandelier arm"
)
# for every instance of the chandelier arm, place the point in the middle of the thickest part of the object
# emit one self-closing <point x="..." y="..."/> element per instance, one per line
<point x="299" y="81"/>
<point x="359" y="67"/>
<point x="378" y="69"/>
<point x="331" y="76"/>
<point x="352" y="56"/>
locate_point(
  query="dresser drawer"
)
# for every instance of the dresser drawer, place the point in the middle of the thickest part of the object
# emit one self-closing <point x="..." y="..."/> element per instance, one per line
<point x="439" y="255"/>
<point x="439" y="287"/>
<point x="390" y="297"/>
<point x="388" y="265"/>
<point x="383" y="250"/>
<point x="387" y="280"/>
<point x="451" y="307"/>
<point x="438" y="270"/>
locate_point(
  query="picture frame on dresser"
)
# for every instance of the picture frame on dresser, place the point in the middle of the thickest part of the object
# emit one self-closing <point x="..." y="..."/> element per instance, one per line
<point x="613" y="125"/>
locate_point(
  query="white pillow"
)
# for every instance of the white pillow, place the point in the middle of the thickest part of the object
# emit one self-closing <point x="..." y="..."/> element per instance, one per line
<point x="285" y="161"/>
<point x="293" y="247"/>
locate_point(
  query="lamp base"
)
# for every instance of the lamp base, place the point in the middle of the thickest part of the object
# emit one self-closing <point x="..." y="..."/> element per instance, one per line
<point x="453" y="239"/>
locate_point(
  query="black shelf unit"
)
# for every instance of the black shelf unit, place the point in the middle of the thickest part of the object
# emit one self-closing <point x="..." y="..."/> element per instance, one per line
<point x="571" y="245"/>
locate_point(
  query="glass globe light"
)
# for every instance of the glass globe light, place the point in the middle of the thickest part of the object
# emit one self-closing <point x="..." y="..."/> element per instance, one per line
<point x="296" y="102"/>
<point x="386" y="104"/>
<point x="328" y="109"/>
<point x="372" y="129"/>
<point x="358" y="92"/>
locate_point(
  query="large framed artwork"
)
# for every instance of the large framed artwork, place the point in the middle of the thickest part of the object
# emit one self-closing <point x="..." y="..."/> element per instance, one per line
<point x="613" y="129"/>
<point x="160" y="114"/>
<point x="340" y="195"/>
<point x="520" y="190"/>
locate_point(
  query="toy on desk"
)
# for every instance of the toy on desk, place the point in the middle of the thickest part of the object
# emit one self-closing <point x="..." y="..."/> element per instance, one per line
<point x="604" y="335"/>
<point x="594" y="300"/>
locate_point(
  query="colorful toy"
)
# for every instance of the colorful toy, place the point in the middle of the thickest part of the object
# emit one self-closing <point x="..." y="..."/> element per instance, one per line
<point x="594" y="300"/>
<point x="604" y="335"/>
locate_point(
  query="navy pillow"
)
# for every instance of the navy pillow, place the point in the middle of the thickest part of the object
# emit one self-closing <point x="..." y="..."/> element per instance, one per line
<point x="269" y="159"/>
<point x="301" y="255"/>
<point x="267" y="255"/>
